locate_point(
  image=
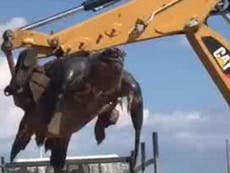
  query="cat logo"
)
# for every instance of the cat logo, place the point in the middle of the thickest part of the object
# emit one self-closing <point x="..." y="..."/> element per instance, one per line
<point x="223" y="58"/>
<point x="219" y="52"/>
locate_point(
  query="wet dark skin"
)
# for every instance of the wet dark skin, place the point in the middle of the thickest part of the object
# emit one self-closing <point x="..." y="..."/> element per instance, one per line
<point x="80" y="88"/>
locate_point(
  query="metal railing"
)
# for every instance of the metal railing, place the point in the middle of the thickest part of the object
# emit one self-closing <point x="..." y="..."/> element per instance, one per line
<point x="91" y="164"/>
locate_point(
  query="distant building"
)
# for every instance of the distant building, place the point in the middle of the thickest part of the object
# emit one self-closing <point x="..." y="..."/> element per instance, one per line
<point x="73" y="165"/>
<point x="108" y="168"/>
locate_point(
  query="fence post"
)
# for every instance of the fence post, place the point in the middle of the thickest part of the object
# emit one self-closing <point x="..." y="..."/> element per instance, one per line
<point x="2" y="164"/>
<point x="143" y="157"/>
<point x="155" y="151"/>
<point x="100" y="168"/>
<point x="131" y="168"/>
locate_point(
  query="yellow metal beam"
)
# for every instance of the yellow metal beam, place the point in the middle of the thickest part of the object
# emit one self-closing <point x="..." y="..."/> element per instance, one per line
<point x="135" y="21"/>
<point x="142" y="20"/>
<point x="213" y="51"/>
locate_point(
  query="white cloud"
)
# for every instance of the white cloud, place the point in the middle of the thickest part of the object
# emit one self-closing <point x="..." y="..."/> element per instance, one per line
<point x="196" y="137"/>
<point x="125" y="118"/>
<point x="4" y="73"/>
<point x="175" y="119"/>
<point x="14" y="23"/>
<point x="178" y="130"/>
<point x="10" y="115"/>
<point x="195" y="129"/>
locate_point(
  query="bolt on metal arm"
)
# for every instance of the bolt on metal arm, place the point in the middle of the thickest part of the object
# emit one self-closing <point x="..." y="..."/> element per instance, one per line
<point x="223" y="9"/>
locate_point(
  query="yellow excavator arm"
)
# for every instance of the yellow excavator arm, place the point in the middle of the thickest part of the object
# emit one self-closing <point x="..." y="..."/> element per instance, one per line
<point x="135" y="21"/>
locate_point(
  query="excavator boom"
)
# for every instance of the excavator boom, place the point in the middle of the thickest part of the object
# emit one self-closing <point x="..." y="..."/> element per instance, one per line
<point x="134" y="21"/>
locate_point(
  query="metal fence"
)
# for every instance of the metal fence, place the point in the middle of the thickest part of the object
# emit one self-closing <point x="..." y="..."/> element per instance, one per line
<point x="90" y="164"/>
<point x="98" y="164"/>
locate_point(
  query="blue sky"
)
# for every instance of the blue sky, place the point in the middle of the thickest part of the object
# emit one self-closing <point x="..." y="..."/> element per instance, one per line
<point x="181" y="101"/>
